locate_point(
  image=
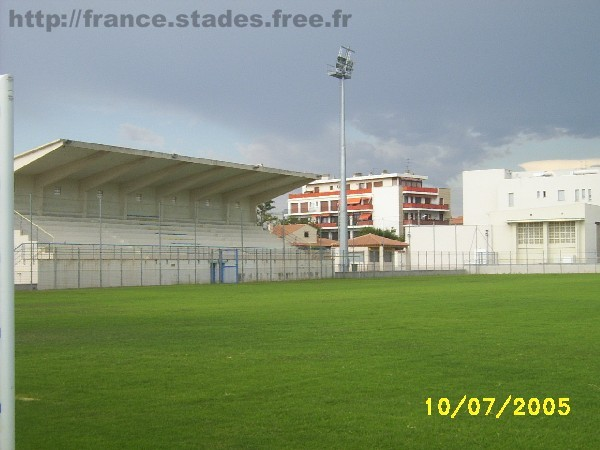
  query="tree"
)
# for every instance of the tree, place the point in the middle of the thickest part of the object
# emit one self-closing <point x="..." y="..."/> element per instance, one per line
<point x="262" y="213"/>
<point x="295" y="220"/>
<point x="390" y="234"/>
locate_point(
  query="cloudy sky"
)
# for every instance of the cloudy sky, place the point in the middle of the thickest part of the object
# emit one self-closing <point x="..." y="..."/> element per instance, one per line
<point x="439" y="86"/>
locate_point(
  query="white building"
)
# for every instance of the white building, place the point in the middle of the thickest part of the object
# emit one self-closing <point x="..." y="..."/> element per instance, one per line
<point x="549" y="216"/>
<point x="388" y="201"/>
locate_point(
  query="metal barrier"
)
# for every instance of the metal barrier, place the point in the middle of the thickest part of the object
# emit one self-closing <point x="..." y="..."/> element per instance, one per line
<point x="62" y="266"/>
<point x="58" y="266"/>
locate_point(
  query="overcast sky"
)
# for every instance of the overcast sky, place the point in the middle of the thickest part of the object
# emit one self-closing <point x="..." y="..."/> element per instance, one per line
<point x="439" y="86"/>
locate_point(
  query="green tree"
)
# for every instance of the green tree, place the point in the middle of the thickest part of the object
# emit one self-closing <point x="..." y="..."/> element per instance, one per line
<point x="295" y="220"/>
<point x="390" y="234"/>
<point x="263" y="214"/>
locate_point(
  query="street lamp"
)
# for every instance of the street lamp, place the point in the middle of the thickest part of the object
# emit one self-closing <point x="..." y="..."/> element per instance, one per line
<point x="343" y="71"/>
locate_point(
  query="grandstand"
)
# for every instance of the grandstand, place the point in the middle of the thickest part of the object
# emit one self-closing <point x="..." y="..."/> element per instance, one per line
<point x="112" y="201"/>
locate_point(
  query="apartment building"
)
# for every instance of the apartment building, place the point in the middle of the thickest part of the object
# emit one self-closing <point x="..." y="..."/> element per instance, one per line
<point x="387" y="201"/>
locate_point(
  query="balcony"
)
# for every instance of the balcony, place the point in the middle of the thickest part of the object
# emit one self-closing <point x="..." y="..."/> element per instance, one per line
<point x="419" y="190"/>
<point x="329" y="193"/>
<point x="326" y="225"/>
<point x="425" y="222"/>
<point x="360" y="207"/>
<point x="425" y="206"/>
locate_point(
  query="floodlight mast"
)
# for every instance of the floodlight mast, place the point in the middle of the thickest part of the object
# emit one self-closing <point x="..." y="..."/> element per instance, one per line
<point x="343" y="71"/>
<point x="7" y="282"/>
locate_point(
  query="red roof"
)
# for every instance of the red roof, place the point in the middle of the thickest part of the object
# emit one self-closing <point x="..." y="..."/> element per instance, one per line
<point x="373" y="240"/>
<point x="278" y="230"/>
<point x="321" y="242"/>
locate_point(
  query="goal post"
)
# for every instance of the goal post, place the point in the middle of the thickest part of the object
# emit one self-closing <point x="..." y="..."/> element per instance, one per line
<point x="7" y="287"/>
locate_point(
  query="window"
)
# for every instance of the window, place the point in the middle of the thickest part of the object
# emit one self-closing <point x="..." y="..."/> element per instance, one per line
<point x="306" y="234"/>
<point x="373" y="255"/>
<point x="57" y="190"/>
<point x="388" y="256"/>
<point x="530" y="233"/>
<point x="576" y="195"/>
<point x="561" y="195"/>
<point x="138" y="197"/>
<point x="511" y="199"/>
<point x="583" y="194"/>
<point x="294" y="208"/>
<point x="378" y="184"/>
<point x="561" y="232"/>
<point x="589" y="194"/>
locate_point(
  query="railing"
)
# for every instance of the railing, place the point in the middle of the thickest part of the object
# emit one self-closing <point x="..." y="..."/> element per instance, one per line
<point x="57" y="266"/>
<point x="425" y="206"/>
<point x="78" y="266"/>
<point x="329" y="193"/>
<point x="26" y="226"/>
<point x="360" y="207"/>
<point x="419" y="190"/>
<point x="425" y="222"/>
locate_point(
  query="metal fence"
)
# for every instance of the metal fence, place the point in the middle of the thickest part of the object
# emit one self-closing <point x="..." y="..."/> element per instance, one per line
<point x="482" y="262"/>
<point x="60" y="266"/>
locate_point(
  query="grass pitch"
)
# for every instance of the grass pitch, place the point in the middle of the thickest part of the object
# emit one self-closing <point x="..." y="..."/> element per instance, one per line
<point x="320" y="365"/>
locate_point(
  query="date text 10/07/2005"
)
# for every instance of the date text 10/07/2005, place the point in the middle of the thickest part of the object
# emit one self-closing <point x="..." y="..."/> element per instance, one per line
<point x="520" y="406"/>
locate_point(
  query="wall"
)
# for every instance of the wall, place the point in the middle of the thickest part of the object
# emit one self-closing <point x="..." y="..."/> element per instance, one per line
<point x="387" y="208"/>
<point x="480" y="194"/>
<point x="215" y="265"/>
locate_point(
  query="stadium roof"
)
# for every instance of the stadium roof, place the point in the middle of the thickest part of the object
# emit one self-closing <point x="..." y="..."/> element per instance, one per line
<point x="133" y="169"/>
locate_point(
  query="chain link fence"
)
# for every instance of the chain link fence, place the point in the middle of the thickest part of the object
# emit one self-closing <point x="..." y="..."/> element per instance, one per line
<point x="63" y="266"/>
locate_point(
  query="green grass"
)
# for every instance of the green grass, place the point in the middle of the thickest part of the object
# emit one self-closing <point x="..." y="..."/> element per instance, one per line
<point x="333" y="364"/>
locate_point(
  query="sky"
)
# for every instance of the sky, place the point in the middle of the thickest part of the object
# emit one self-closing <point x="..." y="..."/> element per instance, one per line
<point x="438" y="86"/>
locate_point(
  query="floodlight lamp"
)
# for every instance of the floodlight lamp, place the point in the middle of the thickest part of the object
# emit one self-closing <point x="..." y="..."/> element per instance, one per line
<point x="343" y="65"/>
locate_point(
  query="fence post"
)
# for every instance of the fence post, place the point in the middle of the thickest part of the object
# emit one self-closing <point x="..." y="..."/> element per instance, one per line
<point x="78" y="268"/>
<point x="321" y="262"/>
<point x="55" y="266"/>
<point x="256" y="263"/>
<point x="178" y="271"/>
<point x="141" y="266"/>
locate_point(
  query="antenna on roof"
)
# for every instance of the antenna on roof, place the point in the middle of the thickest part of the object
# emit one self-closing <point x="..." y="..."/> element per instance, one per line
<point x="407" y="166"/>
